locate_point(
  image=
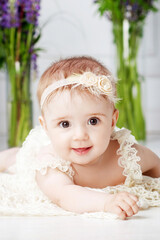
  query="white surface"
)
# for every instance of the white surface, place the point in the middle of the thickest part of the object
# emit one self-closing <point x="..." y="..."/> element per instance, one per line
<point x="144" y="226"/>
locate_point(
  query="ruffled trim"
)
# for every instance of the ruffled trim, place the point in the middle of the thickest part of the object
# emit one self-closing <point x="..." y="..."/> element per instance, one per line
<point x="55" y="162"/>
<point x="128" y="156"/>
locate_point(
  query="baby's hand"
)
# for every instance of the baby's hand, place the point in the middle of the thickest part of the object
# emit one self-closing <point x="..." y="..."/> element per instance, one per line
<point x="123" y="204"/>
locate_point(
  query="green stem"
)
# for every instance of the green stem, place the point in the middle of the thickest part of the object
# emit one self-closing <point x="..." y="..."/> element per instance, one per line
<point x="131" y="115"/>
<point x="20" y="109"/>
<point x="12" y="82"/>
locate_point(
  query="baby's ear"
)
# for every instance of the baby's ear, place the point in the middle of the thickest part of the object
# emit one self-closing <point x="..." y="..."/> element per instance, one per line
<point x="115" y="118"/>
<point x="42" y="122"/>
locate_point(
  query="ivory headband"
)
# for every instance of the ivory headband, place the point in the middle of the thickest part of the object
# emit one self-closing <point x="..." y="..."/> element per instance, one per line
<point x="96" y="84"/>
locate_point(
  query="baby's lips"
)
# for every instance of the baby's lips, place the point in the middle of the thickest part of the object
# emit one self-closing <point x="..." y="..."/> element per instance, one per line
<point x="81" y="149"/>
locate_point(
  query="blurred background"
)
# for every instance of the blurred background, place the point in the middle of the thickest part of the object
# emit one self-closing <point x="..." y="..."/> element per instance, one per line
<point x="75" y="28"/>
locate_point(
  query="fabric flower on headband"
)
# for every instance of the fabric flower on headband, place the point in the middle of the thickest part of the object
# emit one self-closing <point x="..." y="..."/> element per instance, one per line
<point x="105" y="85"/>
<point x="101" y="83"/>
<point x="96" y="85"/>
<point x="88" y="79"/>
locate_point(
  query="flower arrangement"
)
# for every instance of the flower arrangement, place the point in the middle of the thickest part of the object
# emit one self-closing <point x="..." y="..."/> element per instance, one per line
<point x="19" y="34"/>
<point x="128" y="18"/>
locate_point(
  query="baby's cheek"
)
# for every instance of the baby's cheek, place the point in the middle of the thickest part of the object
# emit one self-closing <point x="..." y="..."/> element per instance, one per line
<point x="60" y="147"/>
<point x="101" y="144"/>
<point x="104" y="137"/>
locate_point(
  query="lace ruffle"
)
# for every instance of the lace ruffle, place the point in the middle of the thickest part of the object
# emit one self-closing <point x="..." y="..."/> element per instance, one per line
<point x="128" y="156"/>
<point x="62" y="165"/>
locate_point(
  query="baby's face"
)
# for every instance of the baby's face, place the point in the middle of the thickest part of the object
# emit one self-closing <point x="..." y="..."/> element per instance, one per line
<point x="79" y="126"/>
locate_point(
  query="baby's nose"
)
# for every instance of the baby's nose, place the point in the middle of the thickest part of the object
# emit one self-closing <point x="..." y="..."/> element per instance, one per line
<point x="80" y="133"/>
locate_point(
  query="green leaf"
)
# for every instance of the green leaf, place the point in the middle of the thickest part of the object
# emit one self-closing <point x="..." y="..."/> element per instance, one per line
<point x="38" y="50"/>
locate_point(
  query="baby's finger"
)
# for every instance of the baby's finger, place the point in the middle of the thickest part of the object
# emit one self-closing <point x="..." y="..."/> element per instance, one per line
<point x="134" y="197"/>
<point x="119" y="212"/>
<point x="133" y="204"/>
<point x="126" y="208"/>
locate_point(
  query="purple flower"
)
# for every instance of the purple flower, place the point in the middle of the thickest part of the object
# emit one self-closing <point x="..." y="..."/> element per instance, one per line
<point x="13" y="14"/>
<point x="133" y="10"/>
<point x="34" y="61"/>
<point x="20" y="14"/>
<point x="4" y="14"/>
<point x="31" y="9"/>
<point x="8" y="14"/>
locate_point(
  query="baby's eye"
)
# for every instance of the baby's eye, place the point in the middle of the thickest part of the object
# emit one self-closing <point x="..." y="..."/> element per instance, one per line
<point x="64" y="124"/>
<point x="93" y="121"/>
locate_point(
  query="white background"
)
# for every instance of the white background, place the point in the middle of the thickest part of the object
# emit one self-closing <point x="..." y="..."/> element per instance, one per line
<point x="75" y="28"/>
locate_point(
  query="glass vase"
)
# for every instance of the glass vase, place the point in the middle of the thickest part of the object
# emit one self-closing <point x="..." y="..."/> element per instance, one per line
<point x="127" y="36"/>
<point x="19" y="103"/>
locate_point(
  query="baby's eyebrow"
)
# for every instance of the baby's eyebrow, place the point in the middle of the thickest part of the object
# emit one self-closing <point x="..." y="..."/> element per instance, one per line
<point x="88" y="115"/>
<point x="60" y="118"/>
<point x="97" y="114"/>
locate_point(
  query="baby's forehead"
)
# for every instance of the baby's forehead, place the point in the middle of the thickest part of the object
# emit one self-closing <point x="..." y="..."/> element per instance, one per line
<point x="74" y="94"/>
<point x="73" y="101"/>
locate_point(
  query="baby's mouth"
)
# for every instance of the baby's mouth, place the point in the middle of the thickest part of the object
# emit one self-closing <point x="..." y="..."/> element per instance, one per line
<point x="81" y="151"/>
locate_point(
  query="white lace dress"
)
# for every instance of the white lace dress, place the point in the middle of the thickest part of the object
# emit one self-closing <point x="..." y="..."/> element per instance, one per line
<point x="20" y="194"/>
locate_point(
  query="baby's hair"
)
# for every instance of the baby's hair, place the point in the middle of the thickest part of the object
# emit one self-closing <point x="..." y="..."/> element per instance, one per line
<point x="66" y="67"/>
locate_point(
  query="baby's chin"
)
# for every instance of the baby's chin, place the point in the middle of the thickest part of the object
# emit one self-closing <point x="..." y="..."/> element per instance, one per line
<point x="84" y="163"/>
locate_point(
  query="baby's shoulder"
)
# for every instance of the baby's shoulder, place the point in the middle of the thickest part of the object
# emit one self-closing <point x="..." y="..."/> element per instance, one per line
<point x="148" y="159"/>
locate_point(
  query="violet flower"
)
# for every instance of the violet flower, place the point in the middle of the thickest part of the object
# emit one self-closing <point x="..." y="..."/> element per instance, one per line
<point x="34" y="61"/>
<point x="135" y="10"/>
<point x="8" y="14"/>
<point x="132" y="10"/>
<point x="16" y="14"/>
<point x="31" y="9"/>
<point x="13" y="13"/>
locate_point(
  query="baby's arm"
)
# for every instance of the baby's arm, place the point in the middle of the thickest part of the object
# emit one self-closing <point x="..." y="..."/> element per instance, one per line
<point x="8" y="158"/>
<point x="150" y="162"/>
<point x="58" y="187"/>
